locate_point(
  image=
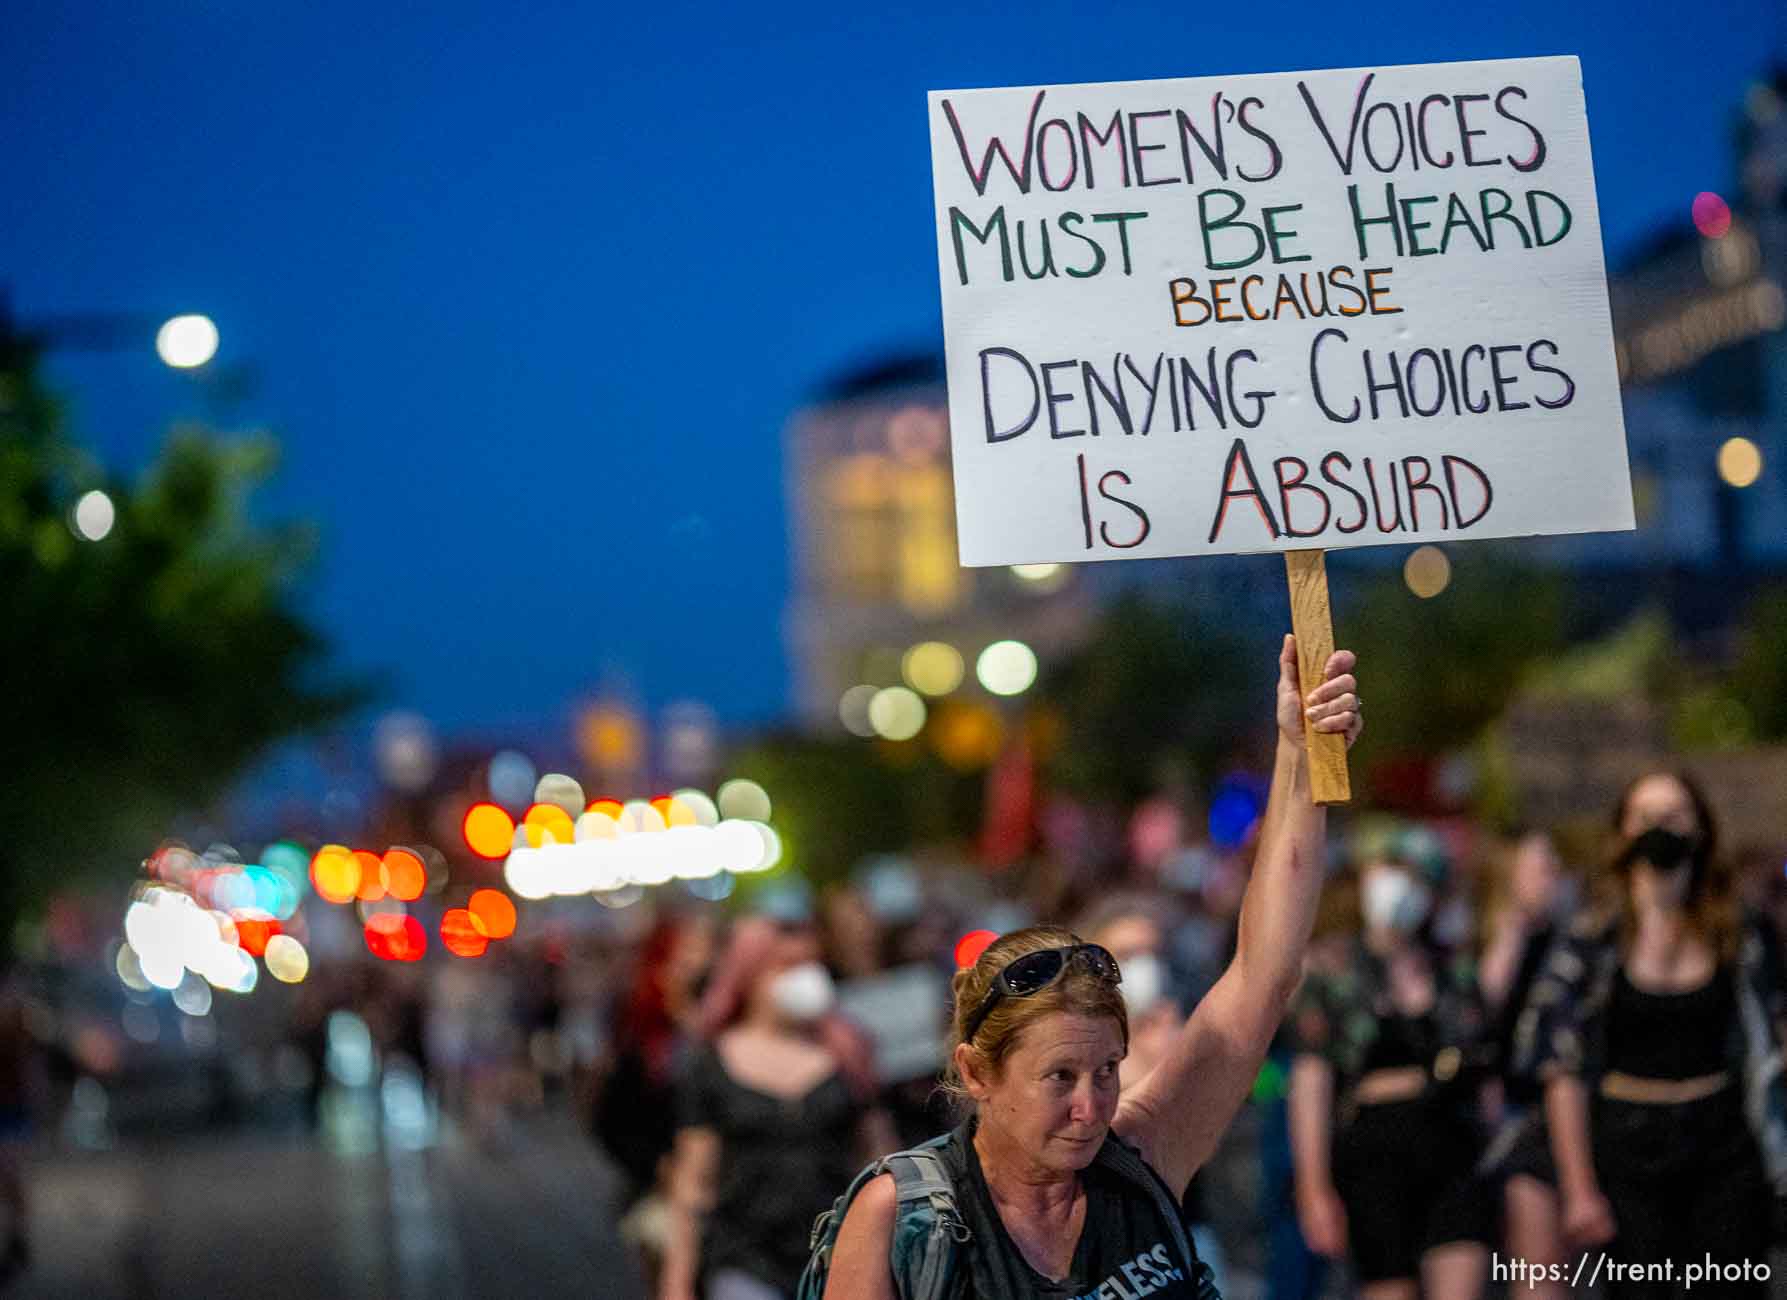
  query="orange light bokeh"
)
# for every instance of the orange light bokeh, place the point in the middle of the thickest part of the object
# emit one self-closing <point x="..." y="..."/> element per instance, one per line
<point x="404" y="875"/>
<point x="489" y="831"/>
<point x="335" y="873"/>
<point x="252" y="933"/>
<point x="372" y="876"/>
<point x="494" y="911"/>
<point x="544" y="819"/>
<point x="462" y="934"/>
<point x="611" y="807"/>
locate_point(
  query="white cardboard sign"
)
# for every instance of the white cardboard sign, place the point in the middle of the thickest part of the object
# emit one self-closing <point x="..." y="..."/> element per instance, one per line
<point x="1275" y="312"/>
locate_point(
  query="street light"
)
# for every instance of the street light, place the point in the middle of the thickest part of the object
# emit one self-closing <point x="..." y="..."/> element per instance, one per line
<point x="186" y="342"/>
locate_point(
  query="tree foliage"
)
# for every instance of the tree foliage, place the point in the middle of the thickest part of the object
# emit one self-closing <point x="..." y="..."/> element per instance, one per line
<point x="144" y="670"/>
<point x="1436" y="672"/>
<point x="1156" y="687"/>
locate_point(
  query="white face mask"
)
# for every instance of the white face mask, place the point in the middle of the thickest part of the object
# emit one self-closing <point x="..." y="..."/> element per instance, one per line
<point x="1394" y="900"/>
<point x="803" y="993"/>
<point x="1144" y="981"/>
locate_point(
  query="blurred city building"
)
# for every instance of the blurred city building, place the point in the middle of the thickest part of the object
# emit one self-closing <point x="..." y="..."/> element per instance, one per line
<point x="1698" y="315"/>
<point x="875" y="573"/>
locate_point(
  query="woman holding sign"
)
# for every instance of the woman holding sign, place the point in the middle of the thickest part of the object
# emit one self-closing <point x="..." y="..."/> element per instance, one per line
<point x="1061" y="1182"/>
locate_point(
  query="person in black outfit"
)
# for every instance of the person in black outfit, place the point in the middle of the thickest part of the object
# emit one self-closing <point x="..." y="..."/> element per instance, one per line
<point x="1653" y="1026"/>
<point x="1383" y="1094"/>
<point x="1069" y="1185"/>
<point x="774" y="1108"/>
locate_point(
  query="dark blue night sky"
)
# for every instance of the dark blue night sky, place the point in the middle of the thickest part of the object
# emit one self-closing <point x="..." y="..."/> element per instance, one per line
<point x="531" y="297"/>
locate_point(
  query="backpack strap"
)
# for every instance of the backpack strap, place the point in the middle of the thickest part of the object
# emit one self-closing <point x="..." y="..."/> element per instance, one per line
<point x="919" y="1174"/>
<point x="924" y="1268"/>
<point x="1126" y="1162"/>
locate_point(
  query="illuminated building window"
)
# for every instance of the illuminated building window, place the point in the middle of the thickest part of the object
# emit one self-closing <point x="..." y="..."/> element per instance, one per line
<point x="859" y="554"/>
<point x="930" y="577"/>
<point x="889" y="535"/>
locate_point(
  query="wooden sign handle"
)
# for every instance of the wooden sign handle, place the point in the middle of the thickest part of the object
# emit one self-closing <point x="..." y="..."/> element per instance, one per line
<point x="1307" y="572"/>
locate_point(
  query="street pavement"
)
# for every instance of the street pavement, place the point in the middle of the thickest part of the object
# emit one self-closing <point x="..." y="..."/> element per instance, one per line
<point x="268" y="1215"/>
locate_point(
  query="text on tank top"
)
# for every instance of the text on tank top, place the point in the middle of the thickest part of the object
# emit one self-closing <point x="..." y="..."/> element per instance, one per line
<point x="1125" y="1252"/>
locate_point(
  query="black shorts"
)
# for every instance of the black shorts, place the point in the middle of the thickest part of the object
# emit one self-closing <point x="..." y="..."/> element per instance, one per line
<point x="1406" y="1173"/>
<point x="1522" y="1146"/>
<point x="1686" y="1182"/>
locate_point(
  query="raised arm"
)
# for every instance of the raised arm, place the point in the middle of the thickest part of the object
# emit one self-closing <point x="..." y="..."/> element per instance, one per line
<point x="1179" y="1113"/>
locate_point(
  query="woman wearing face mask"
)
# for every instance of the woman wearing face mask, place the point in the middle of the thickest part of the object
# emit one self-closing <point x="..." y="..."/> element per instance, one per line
<point x="1653" y="1025"/>
<point x="1395" y="1037"/>
<point x="775" y="1111"/>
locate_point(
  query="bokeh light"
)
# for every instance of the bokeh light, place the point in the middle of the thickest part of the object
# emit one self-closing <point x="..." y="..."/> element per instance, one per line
<point x="193" y="996"/>
<point x="1712" y="215"/>
<point x="462" y="934"/>
<point x="287" y="961"/>
<point x="853" y="710"/>
<point x="494" y="910"/>
<point x="970" y="946"/>
<point x="640" y="817"/>
<point x="897" y="713"/>
<point x="597" y="825"/>
<point x="511" y="778"/>
<point x="285" y="857"/>
<point x="745" y="799"/>
<point x="93" y="516"/>
<point x="932" y="667"/>
<point x="560" y="790"/>
<point x="1235" y="809"/>
<point x="1006" y="667"/>
<point x="489" y="831"/>
<point x="335" y="874"/>
<point x="396" y="938"/>
<point x="384" y="905"/>
<point x="404" y="875"/>
<point x="1427" y="571"/>
<point x="253" y="933"/>
<point x="1740" y="462"/>
<point x="130" y="970"/>
<point x="705" y="810"/>
<point x="185" y="342"/>
<point x="547" y="823"/>
<point x="967" y="734"/>
<point x="1042" y="579"/>
<point x="406" y="752"/>
<point x="372" y="876"/>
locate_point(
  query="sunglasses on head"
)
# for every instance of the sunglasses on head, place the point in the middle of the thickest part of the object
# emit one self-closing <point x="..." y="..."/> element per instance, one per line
<point x="1035" y="971"/>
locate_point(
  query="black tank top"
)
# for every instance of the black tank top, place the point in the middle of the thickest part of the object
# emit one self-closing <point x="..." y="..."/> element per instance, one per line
<point x="1401" y="1041"/>
<point x="1125" y="1252"/>
<point x="1670" y="1035"/>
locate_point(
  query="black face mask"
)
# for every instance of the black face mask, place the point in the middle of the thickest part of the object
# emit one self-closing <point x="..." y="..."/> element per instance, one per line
<point x="1664" y="850"/>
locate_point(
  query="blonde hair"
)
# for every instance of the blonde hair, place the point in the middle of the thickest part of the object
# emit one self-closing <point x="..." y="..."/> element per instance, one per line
<point x="1076" y="992"/>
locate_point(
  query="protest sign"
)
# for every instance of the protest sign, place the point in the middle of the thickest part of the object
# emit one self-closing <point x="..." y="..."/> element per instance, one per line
<point x="1297" y="310"/>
